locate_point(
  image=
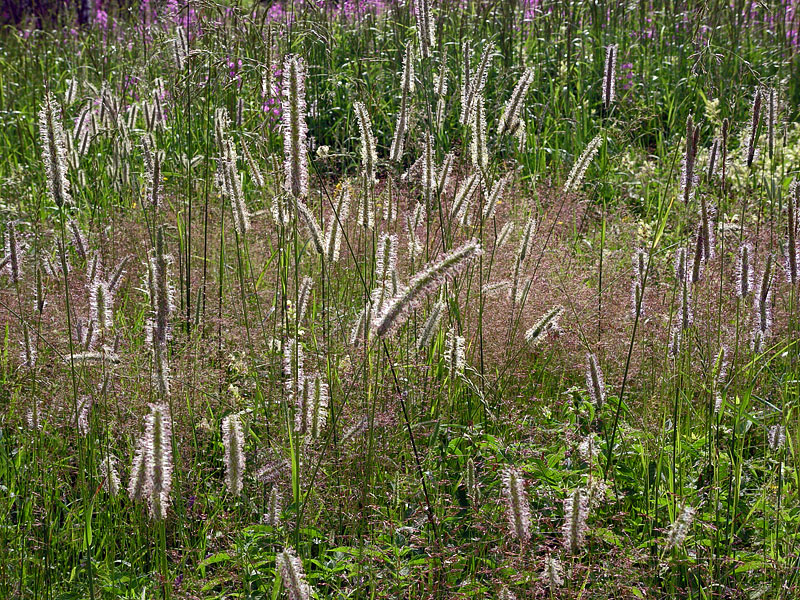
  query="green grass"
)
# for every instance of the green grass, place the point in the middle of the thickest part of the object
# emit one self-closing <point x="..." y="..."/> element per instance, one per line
<point x="381" y="503"/>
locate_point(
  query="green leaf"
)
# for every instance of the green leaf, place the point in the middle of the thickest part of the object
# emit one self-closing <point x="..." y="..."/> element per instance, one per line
<point x="216" y="558"/>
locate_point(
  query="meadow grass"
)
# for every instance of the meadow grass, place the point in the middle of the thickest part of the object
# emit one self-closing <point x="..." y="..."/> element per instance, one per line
<point x="383" y="299"/>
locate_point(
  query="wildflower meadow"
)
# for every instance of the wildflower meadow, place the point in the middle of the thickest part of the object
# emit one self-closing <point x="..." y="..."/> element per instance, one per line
<point x="372" y="299"/>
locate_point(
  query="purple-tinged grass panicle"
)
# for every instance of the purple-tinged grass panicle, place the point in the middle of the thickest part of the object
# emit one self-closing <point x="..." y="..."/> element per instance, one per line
<point x="105" y="355"/>
<point x="553" y="572"/>
<point x="699" y="258"/>
<point x="360" y="328"/>
<point x="110" y="476"/>
<point x="54" y="151"/>
<point x="640" y="262"/>
<point x="369" y="155"/>
<point x="506" y="594"/>
<point x="222" y="123"/>
<point x="318" y="397"/>
<point x="431" y="325"/>
<point x="681" y="272"/>
<point x="365" y="216"/>
<point x="495" y="288"/>
<point x="521" y="134"/>
<point x="680" y="528"/>
<point x="713" y="159"/>
<point x="548" y="323"/>
<point x="521" y="295"/>
<point x="578" y="172"/>
<point x="510" y="119"/>
<point x="293" y="360"/>
<point x="776" y="437"/>
<point x="94" y="268"/>
<point x="495" y="196"/>
<point x="428" y="280"/>
<point x="517" y="509"/>
<point x="28" y="354"/>
<point x="152" y="159"/>
<point x="724" y="153"/>
<point x="233" y="442"/>
<point x="790" y="251"/>
<point x="413" y="221"/>
<point x="479" y="154"/>
<point x="415" y="170"/>
<point x="473" y="485"/>
<point x="466" y="81"/>
<point x="720" y="372"/>
<point x="303" y="296"/>
<point x="688" y="177"/>
<point x="164" y="293"/>
<point x="294" y="127"/>
<point x="476" y="85"/>
<point x="762" y="320"/>
<point x="744" y="271"/>
<point x="399" y="139"/>
<point x="523" y="250"/>
<point x="380" y="297"/>
<point x="84" y="415"/>
<point x="707" y="228"/>
<point x="463" y="199"/>
<point x="79" y="140"/>
<point x="454" y="354"/>
<point x="773" y="117"/>
<point x="239" y="112"/>
<point x="443" y="176"/>
<point x="158" y="330"/>
<point x="272" y="471"/>
<point x="426" y="27"/>
<point x="333" y="233"/>
<point x="78" y="239"/>
<point x="609" y="76"/>
<point x="755" y="119"/>
<point x="594" y="380"/>
<point x="294" y="579"/>
<point x="230" y="184"/>
<point x="281" y="210"/>
<point x="256" y="176"/>
<point x="313" y="227"/>
<point x="355" y="430"/>
<point x="14" y="253"/>
<point x="34" y="417"/>
<point x="117" y="274"/>
<point x="180" y="47"/>
<point x="162" y="376"/>
<point x="587" y="449"/>
<point x="718" y="376"/>
<point x="596" y="491"/>
<point x="429" y="188"/>
<point x="84" y="334"/>
<point x="504" y="234"/>
<point x="273" y="515"/>
<point x="441" y="90"/>
<point x="137" y="486"/>
<point x="39" y="301"/>
<point x="686" y="314"/>
<point x="73" y="89"/>
<point x="386" y="262"/>
<point x="158" y="459"/>
<point x="101" y="306"/>
<point x="576" y="514"/>
<point x="302" y="411"/>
